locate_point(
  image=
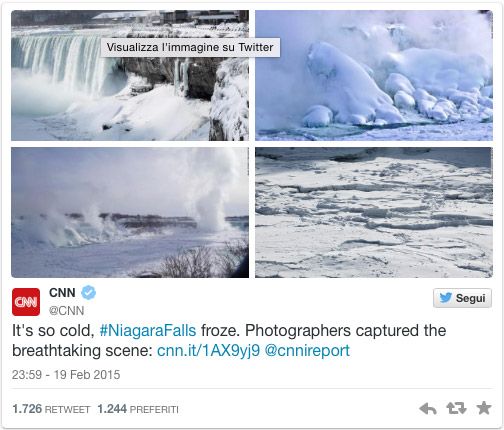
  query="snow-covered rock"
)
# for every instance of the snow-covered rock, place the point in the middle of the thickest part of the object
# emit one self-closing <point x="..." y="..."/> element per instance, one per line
<point x="318" y="116"/>
<point x="350" y="92"/>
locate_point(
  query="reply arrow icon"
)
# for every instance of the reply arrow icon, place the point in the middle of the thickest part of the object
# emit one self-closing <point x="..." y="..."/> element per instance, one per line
<point x="425" y="408"/>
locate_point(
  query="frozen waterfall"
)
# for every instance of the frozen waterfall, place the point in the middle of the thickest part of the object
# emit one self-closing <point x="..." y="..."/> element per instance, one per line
<point x="181" y="69"/>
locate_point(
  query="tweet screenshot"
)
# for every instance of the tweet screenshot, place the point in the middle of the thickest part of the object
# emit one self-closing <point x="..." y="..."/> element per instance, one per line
<point x="251" y="215"/>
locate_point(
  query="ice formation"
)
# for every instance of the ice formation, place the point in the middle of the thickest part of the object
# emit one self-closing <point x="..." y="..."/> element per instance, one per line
<point x="348" y="90"/>
<point x="229" y="111"/>
<point x="373" y="212"/>
<point x="318" y="116"/>
<point x="185" y="76"/>
<point x="176" y="76"/>
<point x="374" y="68"/>
<point x="438" y="84"/>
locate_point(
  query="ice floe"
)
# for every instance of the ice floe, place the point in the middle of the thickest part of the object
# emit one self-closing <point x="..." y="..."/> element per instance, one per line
<point x="366" y="212"/>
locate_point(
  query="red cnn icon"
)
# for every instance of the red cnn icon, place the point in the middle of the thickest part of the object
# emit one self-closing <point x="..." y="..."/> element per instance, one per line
<point x="25" y="302"/>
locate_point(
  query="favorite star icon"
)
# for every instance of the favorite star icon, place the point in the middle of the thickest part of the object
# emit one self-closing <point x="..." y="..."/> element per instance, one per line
<point x="484" y="408"/>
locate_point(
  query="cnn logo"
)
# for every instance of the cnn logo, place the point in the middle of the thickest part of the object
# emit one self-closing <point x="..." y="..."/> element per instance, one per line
<point x="26" y="302"/>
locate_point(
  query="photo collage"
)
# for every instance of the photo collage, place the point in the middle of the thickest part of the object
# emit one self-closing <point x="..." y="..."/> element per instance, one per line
<point x="364" y="150"/>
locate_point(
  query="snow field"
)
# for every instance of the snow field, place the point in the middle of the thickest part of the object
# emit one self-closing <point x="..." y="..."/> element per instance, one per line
<point x="374" y="213"/>
<point x="119" y="256"/>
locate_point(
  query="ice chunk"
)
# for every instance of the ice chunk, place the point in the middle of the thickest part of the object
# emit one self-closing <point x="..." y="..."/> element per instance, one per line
<point x="375" y="213"/>
<point x="389" y="114"/>
<point x="421" y="94"/>
<point x="443" y="111"/>
<point x="468" y="110"/>
<point x="360" y="120"/>
<point x="404" y="100"/>
<point x="425" y="101"/>
<point x="318" y="116"/>
<point x="397" y="82"/>
<point x="349" y="91"/>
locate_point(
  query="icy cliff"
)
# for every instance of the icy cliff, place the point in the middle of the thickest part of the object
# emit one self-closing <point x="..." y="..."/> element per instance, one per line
<point x="229" y="111"/>
<point x="431" y="83"/>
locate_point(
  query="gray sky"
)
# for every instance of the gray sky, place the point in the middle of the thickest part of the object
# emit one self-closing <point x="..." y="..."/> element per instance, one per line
<point x="162" y="181"/>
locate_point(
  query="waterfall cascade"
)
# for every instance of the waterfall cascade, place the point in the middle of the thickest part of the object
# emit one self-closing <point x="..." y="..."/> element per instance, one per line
<point x="70" y="58"/>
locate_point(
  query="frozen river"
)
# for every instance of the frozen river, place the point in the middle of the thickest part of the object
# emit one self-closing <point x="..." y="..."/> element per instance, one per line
<point x="389" y="212"/>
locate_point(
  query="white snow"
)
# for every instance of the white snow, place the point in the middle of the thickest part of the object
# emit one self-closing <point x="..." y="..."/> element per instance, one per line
<point x="155" y="115"/>
<point x="117" y="256"/>
<point x="367" y="212"/>
<point x="110" y="211"/>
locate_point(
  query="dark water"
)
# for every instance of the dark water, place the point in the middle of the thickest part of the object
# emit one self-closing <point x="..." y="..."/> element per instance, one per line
<point x="331" y="132"/>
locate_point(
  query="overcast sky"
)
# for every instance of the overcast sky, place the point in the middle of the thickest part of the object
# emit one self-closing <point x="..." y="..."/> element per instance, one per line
<point x="163" y="181"/>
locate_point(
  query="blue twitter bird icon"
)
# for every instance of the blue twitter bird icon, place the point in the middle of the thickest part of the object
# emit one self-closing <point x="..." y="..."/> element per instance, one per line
<point x="445" y="298"/>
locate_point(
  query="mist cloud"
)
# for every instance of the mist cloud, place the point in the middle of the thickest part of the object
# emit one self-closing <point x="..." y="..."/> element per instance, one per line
<point x="206" y="183"/>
